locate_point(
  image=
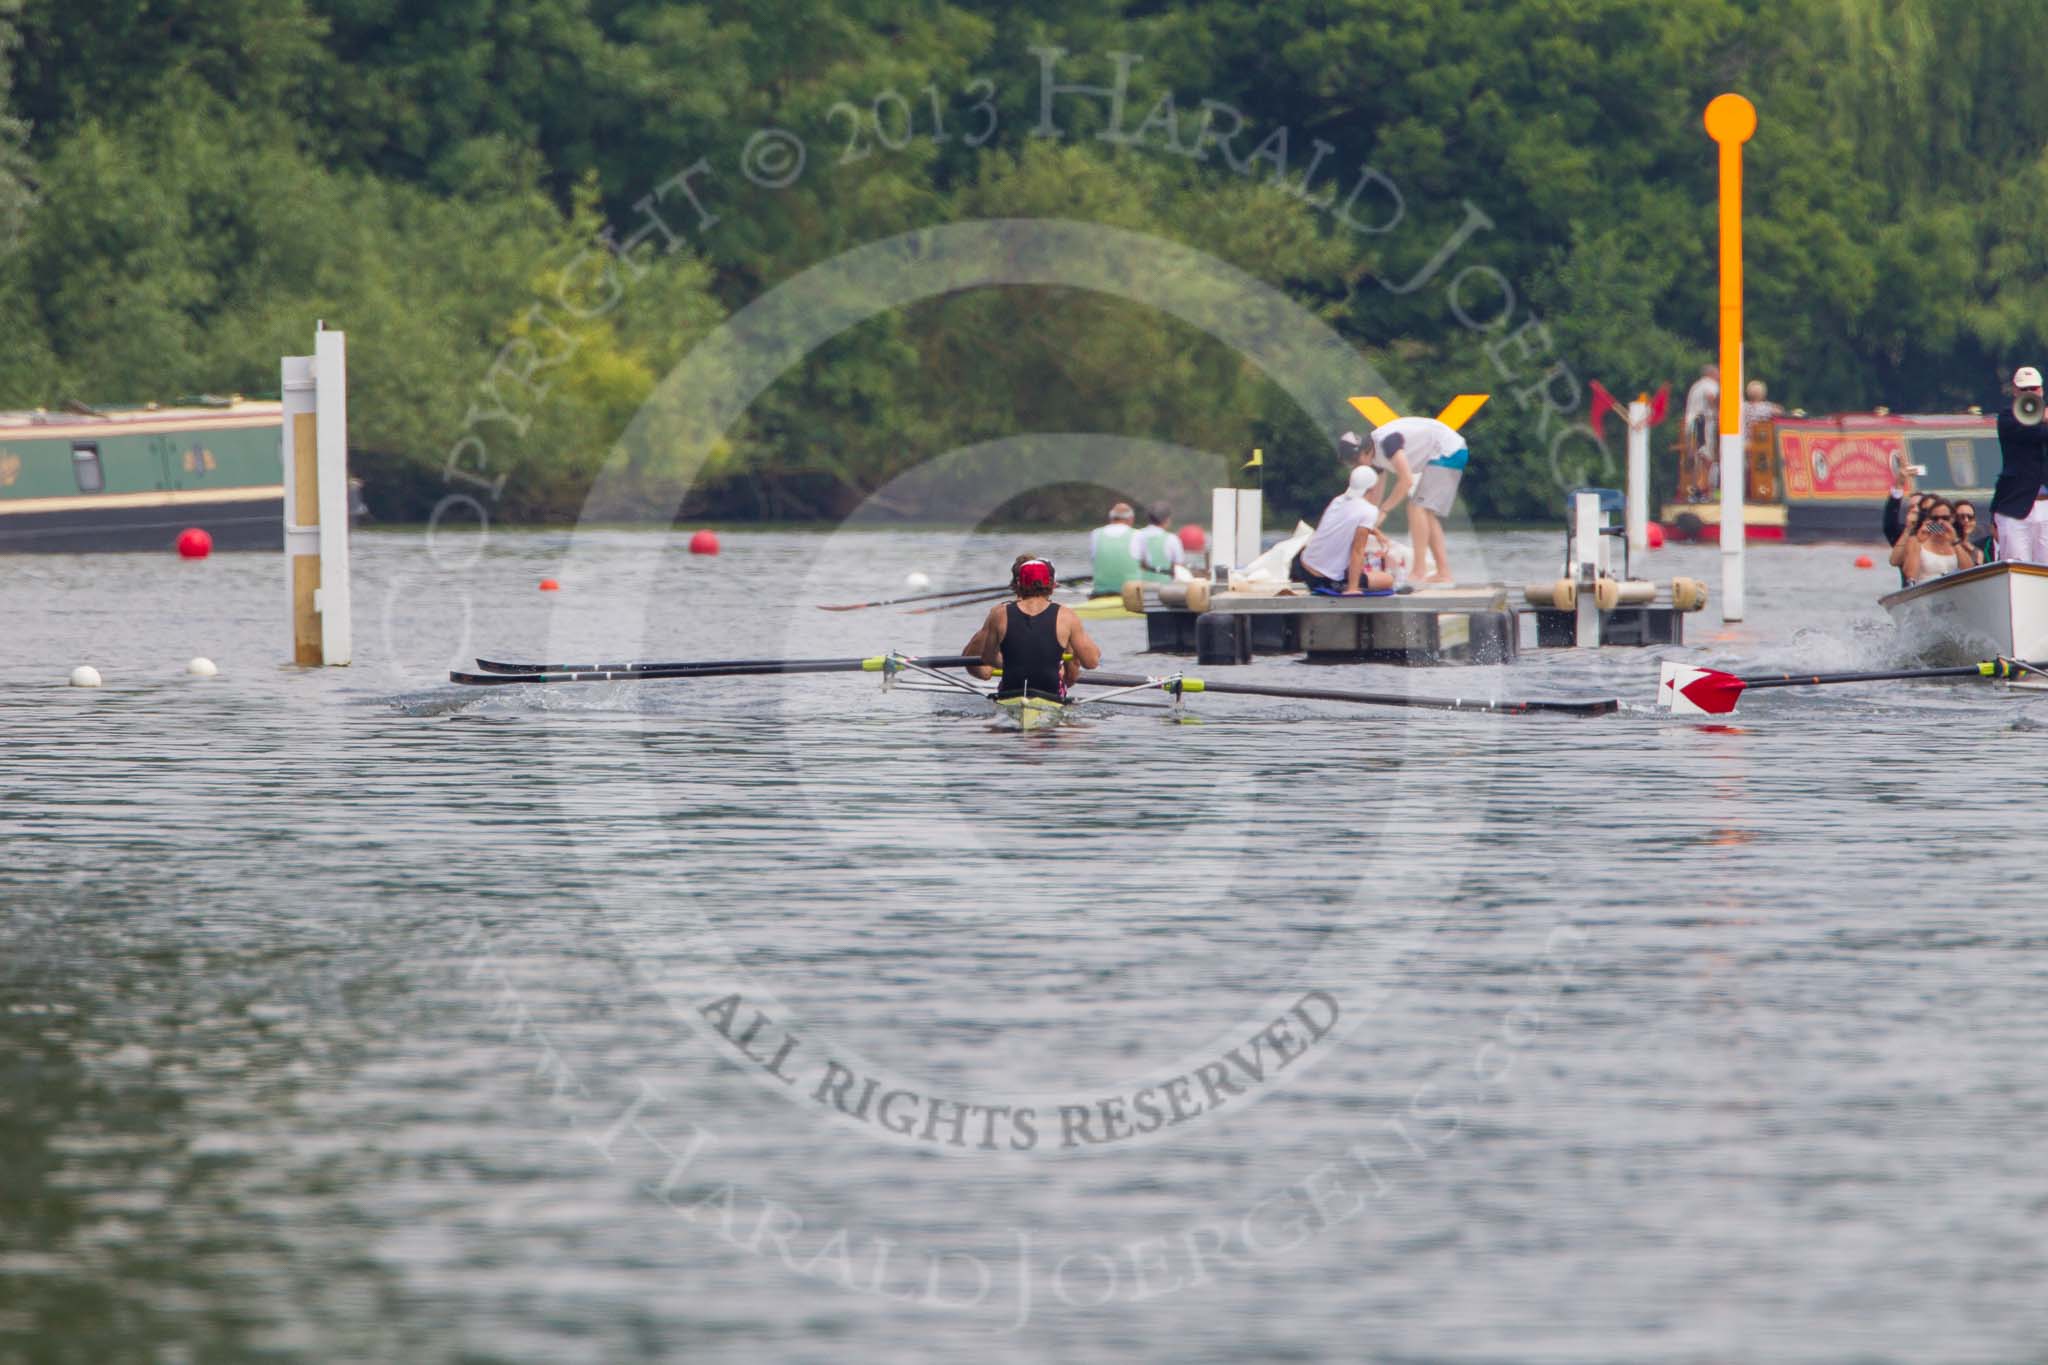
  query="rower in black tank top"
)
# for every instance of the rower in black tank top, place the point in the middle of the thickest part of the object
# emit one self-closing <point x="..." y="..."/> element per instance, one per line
<point x="1031" y="653"/>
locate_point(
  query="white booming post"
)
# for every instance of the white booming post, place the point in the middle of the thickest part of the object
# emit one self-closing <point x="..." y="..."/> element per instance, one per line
<point x="1237" y="525"/>
<point x="1586" y="545"/>
<point x="316" y="500"/>
<point x="1222" y="533"/>
<point x="1639" y="474"/>
<point x="1251" y="524"/>
<point x="1734" y="519"/>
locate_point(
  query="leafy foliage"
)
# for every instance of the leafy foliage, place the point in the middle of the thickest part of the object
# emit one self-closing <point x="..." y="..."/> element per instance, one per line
<point x="186" y="184"/>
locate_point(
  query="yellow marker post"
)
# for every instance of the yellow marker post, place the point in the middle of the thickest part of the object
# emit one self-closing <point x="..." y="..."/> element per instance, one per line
<point x="1458" y="412"/>
<point x="1731" y="121"/>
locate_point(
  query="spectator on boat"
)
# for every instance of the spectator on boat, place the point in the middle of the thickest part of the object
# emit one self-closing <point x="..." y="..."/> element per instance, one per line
<point x="1973" y="550"/>
<point x="1337" y="557"/>
<point x="1757" y="407"/>
<point x="1110" y="552"/>
<point x="1156" y="548"/>
<point x="1931" y="548"/>
<point x="1702" y="404"/>
<point x="2019" y="500"/>
<point x="1901" y="496"/>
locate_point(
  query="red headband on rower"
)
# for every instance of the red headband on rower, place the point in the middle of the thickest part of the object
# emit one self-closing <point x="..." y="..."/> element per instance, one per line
<point x="1034" y="573"/>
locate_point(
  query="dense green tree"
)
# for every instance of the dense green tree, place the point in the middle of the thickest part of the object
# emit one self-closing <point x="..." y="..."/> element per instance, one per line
<point x="185" y="184"/>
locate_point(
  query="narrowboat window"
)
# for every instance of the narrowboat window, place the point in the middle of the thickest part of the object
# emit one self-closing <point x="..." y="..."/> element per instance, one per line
<point x="85" y="463"/>
<point x="1962" y="463"/>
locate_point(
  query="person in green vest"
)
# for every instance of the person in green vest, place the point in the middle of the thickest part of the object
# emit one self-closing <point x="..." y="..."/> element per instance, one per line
<point x="1157" y="548"/>
<point x="1114" y="559"/>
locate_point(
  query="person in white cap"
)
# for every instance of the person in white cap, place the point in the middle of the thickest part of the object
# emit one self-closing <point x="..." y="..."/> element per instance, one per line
<point x="1336" y="555"/>
<point x="2019" y="500"/>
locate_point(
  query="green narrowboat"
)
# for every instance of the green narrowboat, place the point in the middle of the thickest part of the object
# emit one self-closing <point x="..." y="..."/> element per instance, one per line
<point x="132" y="479"/>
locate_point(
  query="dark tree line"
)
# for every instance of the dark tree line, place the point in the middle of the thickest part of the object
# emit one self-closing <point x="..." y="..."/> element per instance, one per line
<point x="185" y="186"/>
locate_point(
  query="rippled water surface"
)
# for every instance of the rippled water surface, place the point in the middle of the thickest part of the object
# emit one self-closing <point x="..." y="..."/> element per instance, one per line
<point x="351" y="1014"/>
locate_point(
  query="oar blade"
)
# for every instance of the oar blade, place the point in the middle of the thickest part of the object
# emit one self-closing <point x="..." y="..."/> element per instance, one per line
<point x="1688" y="691"/>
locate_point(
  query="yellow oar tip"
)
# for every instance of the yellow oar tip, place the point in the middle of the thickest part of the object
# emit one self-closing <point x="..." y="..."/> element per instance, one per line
<point x="1190" y="684"/>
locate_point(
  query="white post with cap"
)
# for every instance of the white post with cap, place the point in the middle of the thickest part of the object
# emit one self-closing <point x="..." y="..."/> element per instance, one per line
<point x="1638" y="513"/>
<point x="316" y="500"/>
<point x="1587" y="548"/>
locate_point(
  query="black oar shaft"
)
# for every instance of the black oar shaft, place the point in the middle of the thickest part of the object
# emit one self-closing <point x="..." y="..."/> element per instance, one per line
<point x="1998" y="669"/>
<point x="1572" y="708"/>
<point x="713" y="669"/>
<point x="1000" y="595"/>
<point x="672" y="666"/>
<point x="937" y="596"/>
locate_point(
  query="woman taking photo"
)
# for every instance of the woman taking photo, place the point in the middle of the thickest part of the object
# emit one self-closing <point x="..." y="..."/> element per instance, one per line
<point x="1930" y="549"/>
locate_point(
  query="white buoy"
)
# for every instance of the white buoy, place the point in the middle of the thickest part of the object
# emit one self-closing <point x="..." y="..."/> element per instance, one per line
<point x="85" y="675"/>
<point x="917" y="578"/>
<point x="202" y="667"/>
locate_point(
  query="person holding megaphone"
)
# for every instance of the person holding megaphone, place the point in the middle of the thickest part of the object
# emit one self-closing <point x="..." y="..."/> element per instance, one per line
<point x="2019" y="500"/>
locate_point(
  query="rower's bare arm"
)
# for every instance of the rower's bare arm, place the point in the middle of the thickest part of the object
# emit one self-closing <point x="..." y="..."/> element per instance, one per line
<point x="988" y="643"/>
<point x="1355" y="562"/>
<point x="1079" y="642"/>
<point x="1404" y="481"/>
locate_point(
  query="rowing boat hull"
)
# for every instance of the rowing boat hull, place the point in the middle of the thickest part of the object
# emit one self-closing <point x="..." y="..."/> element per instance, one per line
<point x="2000" y="608"/>
<point x="1031" y="713"/>
<point x="1106" y="608"/>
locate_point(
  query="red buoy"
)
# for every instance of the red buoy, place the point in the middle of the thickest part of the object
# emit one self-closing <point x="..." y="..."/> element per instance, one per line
<point x="704" y="543"/>
<point x="194" y="543"/>
<point x="1192" y="539"/>
<point x="1656" y="536"/>
<point x="549" y="585"/>
<point x="1863" y="561"/>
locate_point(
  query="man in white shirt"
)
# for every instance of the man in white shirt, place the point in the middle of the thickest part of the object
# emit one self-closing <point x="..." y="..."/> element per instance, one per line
<point x="1157" y="548"/>
<point x="1437" y="450"/>
<point x="1702" y="412"/>
<point x="1337" y="552"/>
<point x="1110" y="554"/>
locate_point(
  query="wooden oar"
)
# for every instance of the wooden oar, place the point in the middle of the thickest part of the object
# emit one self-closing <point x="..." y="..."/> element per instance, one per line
<point x="1709" y="691"/>
<point x="995" y="588"/>
<point x="717" y="668"/>
<point x="1597" y="707"/>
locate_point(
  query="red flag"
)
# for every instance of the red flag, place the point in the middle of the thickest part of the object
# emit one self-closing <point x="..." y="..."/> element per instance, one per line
<point x="1603" y="403"/>
<point x="1659" y="403"/>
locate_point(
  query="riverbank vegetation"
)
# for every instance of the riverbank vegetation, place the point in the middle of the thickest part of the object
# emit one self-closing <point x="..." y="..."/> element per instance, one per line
<point x="184" y="187"/>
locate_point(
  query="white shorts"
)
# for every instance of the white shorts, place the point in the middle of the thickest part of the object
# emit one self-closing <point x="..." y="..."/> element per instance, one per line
<point x="1436" y="488"/>
<point x="2024" y="541"/>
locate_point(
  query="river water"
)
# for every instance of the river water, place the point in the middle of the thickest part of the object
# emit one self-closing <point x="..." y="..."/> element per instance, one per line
<point x="349" y="1014"/>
